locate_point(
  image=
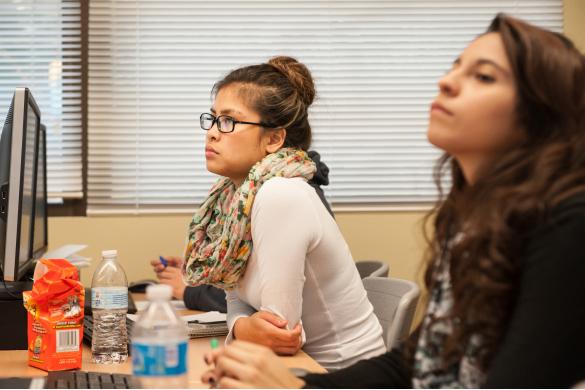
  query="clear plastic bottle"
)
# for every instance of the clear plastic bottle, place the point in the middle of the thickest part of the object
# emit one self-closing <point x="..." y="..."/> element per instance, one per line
<point x="159" y="343"/>
<point x="109" y="305"/>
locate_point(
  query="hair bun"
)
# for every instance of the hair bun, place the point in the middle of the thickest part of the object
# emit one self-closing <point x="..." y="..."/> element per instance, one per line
<point x="298" y="75"/>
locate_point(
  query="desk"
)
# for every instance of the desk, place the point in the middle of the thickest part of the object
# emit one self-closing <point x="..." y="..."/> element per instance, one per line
<point x="15" y="363"/>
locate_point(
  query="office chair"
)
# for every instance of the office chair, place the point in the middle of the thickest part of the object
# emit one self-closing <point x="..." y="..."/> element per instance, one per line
<point x="394" y="302"/>
<point x="372" y="268"/>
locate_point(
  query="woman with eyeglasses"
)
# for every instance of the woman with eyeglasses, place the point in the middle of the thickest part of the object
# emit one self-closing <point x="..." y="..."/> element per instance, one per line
<point x="264" y="235"/>
<point x="506" y="265"/>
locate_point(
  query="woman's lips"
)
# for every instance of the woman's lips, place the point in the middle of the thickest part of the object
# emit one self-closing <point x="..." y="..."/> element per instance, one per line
<point x="210" y="152"/>
<point x="437" y="107"/>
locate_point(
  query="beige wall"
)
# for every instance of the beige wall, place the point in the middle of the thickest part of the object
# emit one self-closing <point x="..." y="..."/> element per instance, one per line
<point x="393" y="236"/>
<point x="574" y="14"/>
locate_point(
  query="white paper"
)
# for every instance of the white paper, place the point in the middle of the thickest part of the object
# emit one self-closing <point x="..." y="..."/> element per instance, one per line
<point x="211" y="316"/>
<point x="178" y="304"/>
<point x="69" y="252"/>
<point x="141" y="305"/>
<point x="65" y="251"/>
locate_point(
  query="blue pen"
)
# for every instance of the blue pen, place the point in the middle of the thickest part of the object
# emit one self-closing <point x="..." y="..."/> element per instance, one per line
<point x="163" y="261"/>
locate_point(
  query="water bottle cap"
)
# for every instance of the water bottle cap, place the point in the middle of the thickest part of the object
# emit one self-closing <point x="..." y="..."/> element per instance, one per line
<point x="110" y="253"/>
<point x="159" y="291"/>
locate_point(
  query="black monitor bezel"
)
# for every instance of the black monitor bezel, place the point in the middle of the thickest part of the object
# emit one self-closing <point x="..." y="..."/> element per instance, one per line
<point x="18" y="270"/>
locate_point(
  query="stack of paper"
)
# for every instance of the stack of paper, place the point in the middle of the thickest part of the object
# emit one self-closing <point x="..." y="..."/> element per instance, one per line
<point x="69" y="252"/>
<point x="208" y="324"/>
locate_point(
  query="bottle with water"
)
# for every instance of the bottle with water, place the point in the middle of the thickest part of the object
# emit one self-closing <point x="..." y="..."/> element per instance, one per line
<point x="109" y="305"/>
<point x="159" y="343"/>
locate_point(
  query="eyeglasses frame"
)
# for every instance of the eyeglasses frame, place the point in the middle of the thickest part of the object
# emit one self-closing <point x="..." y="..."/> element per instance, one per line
<point x="234" y="121"/>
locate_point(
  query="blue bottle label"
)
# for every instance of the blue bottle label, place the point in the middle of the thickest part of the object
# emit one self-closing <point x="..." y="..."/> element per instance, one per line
<point x="109" y="298"/>
<point x="159" y="360"/>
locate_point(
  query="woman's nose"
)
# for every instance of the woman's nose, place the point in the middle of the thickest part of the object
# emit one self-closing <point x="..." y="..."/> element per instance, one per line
<point x="449" y="84"/>
<point x="213" y="133"/>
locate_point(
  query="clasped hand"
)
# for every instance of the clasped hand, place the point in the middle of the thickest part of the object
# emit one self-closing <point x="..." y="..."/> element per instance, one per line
<point x="268" y="329"/>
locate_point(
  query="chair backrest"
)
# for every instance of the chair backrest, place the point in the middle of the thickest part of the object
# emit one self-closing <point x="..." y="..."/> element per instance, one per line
<point x="394" y="302"/>
<point x="372" y="268"/>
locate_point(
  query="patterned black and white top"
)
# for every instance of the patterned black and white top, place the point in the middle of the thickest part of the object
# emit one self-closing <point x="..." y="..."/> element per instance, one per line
<point x="429" y="369"/>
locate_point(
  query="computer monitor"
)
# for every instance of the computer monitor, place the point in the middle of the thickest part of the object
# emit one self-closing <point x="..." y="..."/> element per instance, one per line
<point x="22" y="187"/>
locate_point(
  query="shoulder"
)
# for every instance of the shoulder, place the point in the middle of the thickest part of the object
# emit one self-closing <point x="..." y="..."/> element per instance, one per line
<point x="286" y="208"/>
<point x="568" y="216"/>
<point x="283" y="199"/>
<point x="284" y="191"/>
<point x="562" y="231"/>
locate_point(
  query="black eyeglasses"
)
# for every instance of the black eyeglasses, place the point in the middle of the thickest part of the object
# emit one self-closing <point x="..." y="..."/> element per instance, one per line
<point x="225" y="123"/>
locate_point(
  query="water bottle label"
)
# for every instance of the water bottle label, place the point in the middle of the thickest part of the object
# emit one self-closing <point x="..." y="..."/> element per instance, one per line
<point x="159" y="360"/>
<point x="109" y="298"/>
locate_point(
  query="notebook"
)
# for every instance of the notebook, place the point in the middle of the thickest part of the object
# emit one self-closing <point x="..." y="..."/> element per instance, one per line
<point x="203" y="327"/>
<point x="208" y="324"/>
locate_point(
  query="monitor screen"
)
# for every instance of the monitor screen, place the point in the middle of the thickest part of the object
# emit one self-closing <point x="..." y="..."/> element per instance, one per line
<point x="40" y="238"/>
<point x="19" y="160"/>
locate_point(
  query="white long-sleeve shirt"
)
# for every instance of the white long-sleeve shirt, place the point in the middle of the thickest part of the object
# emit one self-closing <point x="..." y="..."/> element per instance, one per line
<point x="301" y="269"/>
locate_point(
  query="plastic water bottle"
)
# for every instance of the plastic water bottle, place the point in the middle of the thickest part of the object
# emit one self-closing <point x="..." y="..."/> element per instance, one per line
<point x="159" y="343"/>
<point x="109" y="305"/>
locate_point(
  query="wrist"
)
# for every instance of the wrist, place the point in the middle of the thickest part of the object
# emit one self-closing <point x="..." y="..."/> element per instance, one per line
<point x="297" y="383"/>
<point x="239" y="328"/>
<point x="181" y="293"/>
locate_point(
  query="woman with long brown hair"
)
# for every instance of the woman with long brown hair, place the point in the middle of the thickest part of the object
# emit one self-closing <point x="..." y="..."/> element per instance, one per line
<point x="506" y="264"/>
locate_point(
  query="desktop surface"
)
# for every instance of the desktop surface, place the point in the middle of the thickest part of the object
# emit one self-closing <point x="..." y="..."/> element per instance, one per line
<point x="14" y="363"/>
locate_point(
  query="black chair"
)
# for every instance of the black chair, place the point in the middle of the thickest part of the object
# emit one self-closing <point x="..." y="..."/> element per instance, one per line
<point x="372" y="268"/>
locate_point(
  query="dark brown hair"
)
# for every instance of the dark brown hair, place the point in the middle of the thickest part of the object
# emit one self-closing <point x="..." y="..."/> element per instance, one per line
<point x="496" y="215"/>
<point x="281" y="92"/>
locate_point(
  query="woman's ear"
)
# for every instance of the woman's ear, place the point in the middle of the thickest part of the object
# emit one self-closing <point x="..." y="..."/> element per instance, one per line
<point x="274" y="139"/>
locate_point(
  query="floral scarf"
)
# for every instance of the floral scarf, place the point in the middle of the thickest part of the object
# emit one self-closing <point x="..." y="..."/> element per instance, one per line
<point x="220" y="237"/>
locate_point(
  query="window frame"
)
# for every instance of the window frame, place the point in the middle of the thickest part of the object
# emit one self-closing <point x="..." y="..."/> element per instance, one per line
<point x="78" y="207"/>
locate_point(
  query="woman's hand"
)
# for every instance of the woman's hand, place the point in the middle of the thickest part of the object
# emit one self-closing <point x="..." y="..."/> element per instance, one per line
<point x="268" y="329"/>
<point x="172" y="261"/>
<point x="171" y="275"/>
<point x="247" y="365"/>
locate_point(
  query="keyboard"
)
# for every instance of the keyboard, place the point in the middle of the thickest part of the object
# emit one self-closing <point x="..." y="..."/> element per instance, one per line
<point x="88" y="380"/>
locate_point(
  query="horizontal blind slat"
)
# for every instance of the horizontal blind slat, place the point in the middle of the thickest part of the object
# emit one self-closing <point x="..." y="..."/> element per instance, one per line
<point x="40" y="48"/>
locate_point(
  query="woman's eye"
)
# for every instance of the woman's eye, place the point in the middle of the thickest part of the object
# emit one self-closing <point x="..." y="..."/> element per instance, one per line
<point x="484" y="78"/>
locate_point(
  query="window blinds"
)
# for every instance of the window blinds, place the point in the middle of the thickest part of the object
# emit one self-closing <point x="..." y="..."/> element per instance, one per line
<point x="376" y="65"/>
<point x="40" y="48"/>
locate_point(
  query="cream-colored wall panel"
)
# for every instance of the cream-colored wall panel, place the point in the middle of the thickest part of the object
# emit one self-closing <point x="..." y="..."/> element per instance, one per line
<point x="138" y="239"/>
<point x="394" y="237"/>
<point x="574" y="14"/>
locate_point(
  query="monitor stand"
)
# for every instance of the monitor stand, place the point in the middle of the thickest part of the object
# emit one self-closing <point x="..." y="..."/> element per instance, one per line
<point x="13" y="329"/>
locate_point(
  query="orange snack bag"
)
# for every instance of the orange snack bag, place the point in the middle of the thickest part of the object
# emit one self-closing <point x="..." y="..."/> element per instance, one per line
<point x="55" y="317"/>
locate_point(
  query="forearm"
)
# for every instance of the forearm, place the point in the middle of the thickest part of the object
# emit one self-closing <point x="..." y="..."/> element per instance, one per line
<point x="385" y="371"/>
<point x="236" y="309"/>
<point x="205" y="298"/>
